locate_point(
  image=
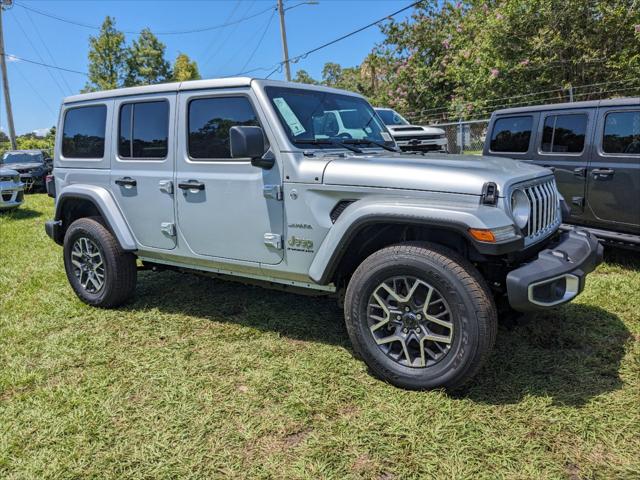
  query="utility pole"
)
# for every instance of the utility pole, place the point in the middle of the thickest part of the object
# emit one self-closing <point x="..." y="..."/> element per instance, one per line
<point x="285" y="49"/>
<point x="5" y="78"/>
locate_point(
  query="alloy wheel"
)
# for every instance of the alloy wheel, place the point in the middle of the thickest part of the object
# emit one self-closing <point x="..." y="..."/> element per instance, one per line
<point x="410" y="321"/>
<point x="88" y="264"/>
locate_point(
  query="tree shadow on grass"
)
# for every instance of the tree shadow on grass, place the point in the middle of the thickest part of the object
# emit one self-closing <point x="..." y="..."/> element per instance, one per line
<point x="571" y="354"/>
<point x="20" y="213"/>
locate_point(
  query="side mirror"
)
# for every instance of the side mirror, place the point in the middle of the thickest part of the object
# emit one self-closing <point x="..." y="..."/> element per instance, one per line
<point x="248" y="142"/>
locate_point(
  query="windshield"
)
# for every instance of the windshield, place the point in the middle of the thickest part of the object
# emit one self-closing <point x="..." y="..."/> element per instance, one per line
<point x="390" y="117"/>
<point x="21" y="157"/>
<point x="326" y="119"/>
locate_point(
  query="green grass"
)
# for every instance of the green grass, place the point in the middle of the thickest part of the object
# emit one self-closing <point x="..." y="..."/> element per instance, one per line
<point x="202" y="378"/>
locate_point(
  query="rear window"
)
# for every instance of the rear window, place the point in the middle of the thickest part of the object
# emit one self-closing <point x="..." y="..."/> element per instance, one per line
<point x="564" y="133"/>
<point x="622" y="133"/>
<point x="144" y="130"/>
<point x="83" y="132"/>
<point x="511" y="134"/>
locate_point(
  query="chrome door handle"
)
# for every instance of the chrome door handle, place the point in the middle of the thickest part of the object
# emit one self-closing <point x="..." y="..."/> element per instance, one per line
<point x="602" y="172"/>
<point x="191" y="185"/>
<point x="126" y="182"/>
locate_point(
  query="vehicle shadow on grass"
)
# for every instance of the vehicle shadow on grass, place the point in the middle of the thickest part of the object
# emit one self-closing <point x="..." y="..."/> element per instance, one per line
<point x="20" y="213"/>
<point x="571" y="354"/>
<point x="297" y="317"/>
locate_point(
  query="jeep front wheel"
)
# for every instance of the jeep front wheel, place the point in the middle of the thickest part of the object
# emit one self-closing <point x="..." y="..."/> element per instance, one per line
<point x="99" y="271"/>
<point x="420" y="316"/>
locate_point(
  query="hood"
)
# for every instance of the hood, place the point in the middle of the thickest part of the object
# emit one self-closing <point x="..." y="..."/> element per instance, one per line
<point x="464" y="174"/>
<point x="411" y="130"/>
<point x="23" y="165"/>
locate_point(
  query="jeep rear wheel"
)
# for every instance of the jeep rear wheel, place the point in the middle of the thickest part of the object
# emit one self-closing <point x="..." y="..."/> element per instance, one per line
<point x="420" y="316"/>
<point x="99" y="271"/>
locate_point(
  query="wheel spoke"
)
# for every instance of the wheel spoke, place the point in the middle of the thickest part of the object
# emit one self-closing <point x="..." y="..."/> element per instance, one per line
<point x="418" y="320"/>
<point x="88" y="264"/>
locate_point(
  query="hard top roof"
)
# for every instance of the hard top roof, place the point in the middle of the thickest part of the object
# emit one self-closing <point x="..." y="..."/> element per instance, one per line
<point x="230" y="82"/>
<point x="612" y="102"/>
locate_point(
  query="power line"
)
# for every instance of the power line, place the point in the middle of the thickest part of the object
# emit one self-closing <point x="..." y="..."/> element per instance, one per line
<point x="172" y="32"/>
<point x="304" y="55"/>
<point x="24" y="32"/>
<point x="214" y="39"/>
<point x="20" y="59"/>
<point x="44" y="44"/>
<point x="259" y="41"/>
<point x="35" y="91"/>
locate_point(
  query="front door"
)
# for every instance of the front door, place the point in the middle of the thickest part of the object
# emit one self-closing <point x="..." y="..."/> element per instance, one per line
<point x="563" y="147"/>
<point x="142" y="167"/>
<point x="226" y="207"/>
<point x="613" y="185"/>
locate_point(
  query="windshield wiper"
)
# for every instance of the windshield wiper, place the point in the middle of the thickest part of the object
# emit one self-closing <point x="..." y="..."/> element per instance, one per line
<point x="329" y="142"/>
<point x="366" y="141"/>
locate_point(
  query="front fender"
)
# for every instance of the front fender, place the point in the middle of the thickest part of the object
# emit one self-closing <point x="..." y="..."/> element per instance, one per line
<point x="459" y="217"/>
<point x="106" y="205"/>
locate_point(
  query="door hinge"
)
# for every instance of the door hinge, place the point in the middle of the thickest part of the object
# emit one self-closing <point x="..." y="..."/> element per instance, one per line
<point x="580" y="172"/>
<point x="578" y="201"/>
<point x="272" y="191"/>
<point x="166" y="186"/>
<point x="168" y="228"/>
<point x="273" y="240"/>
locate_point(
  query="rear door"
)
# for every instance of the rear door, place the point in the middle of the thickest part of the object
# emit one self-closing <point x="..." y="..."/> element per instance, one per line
<point x="613" y="184"/>
<point x="562" y="146"/>
<point x="227" y="208"/>
<point x="142" y="167"/>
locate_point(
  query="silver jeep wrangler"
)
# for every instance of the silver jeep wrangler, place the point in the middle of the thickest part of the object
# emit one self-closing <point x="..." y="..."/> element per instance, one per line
<point x="303" y="187"/>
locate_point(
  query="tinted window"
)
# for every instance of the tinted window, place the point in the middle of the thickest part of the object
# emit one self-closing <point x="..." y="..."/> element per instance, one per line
<point x="83" y="132"/>
<point x="209" y="122"/>
<point x="622" y="133"/>
<point x="564" y="133"/>
<point x="511" y="134"/>
<point x="144" y="130"/>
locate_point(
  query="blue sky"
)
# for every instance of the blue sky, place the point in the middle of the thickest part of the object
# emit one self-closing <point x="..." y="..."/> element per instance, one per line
<point x="36" y="92"/>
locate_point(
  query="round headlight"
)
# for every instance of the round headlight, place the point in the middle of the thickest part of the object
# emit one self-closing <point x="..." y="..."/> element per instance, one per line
<point x="520" y="208"/>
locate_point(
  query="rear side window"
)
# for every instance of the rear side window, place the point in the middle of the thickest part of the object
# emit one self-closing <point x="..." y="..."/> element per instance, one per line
<point x="622" y="133"/>
<point x="209" y="122"/>
<point x="144" y="130"/>
<point x="511" y="134"/>
<point x="564" y="133"/>
<point x="83" y="132"/>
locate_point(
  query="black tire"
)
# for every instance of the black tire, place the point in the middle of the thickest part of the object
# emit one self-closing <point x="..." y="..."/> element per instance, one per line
<point x="472" y="314"/>
<point x="120" y="272"/>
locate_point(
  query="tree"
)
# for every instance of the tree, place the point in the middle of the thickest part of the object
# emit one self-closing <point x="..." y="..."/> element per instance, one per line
<point x="145" y="62"/>
<point x="473" y="56"/>
<point x="185" y="69"/>
<point x="302" y="76"/>
<point x="106" y="58"/>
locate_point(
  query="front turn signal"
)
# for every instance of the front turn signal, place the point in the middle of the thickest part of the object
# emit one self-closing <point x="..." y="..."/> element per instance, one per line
<point x="482" y="235"/>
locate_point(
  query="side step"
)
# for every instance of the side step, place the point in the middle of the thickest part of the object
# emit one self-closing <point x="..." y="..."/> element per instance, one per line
<point x="624" y="240"/>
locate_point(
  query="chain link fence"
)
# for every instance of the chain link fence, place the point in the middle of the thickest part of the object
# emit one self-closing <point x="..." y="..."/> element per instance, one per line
<point x="465" y="137"/>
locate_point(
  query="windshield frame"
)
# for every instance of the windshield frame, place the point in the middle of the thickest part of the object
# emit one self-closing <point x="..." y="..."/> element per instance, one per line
<point x="325" y="143"/>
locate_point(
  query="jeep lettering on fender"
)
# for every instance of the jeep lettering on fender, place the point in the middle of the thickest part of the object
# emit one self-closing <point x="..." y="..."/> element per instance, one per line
<point x="301" y="185"/>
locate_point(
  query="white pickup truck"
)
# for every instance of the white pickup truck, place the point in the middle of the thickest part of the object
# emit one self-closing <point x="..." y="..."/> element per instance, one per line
<point x="409" y="137"/>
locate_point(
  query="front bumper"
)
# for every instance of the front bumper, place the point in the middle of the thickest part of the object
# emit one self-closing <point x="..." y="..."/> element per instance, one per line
<point x="11" y="195"/>
<point x="557" y="276"/>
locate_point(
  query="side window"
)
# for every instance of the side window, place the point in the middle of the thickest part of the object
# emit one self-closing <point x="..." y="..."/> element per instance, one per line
<point x="209" y="122"/>
<point x="622" y="133"/>
<point x="83" y="132"/>
<point x="511" y="134"/>
<point x="144" y="130"/>
<point x="564" y="133"/>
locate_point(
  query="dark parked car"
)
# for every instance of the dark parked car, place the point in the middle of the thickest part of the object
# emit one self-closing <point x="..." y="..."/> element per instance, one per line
<point x="32" y="165"/>
<point x="592" y="147"/>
